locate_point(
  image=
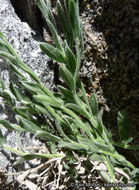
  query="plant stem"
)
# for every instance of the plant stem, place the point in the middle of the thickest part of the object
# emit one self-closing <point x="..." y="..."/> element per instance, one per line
<point x="14" y="150"/>
<point x="132" y="147"/>
<point x="77" y="64"/>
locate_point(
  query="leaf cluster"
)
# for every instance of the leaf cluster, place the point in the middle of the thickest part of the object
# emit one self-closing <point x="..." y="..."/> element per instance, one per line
<point x="76" y="120"/>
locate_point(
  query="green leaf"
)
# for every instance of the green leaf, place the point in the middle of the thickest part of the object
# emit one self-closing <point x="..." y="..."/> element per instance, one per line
<point x="42" y="110"/>
<point x="11" y="127"/>
<point x="104" y="147"/>
<point x="65" y="92"/>
<point x="123" y="125"/>
<point x="21" y="112"/>
<point x="67" y="76"/>
<point x="81" y="37"/>
<point x="27" y="125"/>
<point x="52" y="52"/>
<point x="46" y="100"/>
<point x="65" y="24"/>
<point x="84" y="126"/>
<point x="17" y="62"/>
<point x="32" y="87"/>
<point x="93" y="149"/>
<point x="56" y="38"/>
<point x="96" y="157"/>
<point x="93" y="104"/>
<point x="19" y="95"/>
<point x="14" y="68"/>
<point x="19" y="143"/>
<point x="107" y="133"/>
<point x="78" y="109"/>
<point x="110" y="167"/>
<point x="50" y="14"/>
<point x="47" y="136"/>
<point x="72" y="146"/>
<point x="9" y="94"/>
<point x="129" y="140"/>
<point x="46" y="11"/>
<point x="100" y="123"/>
<point x="3" y="47"/>
<point x="85" y="141"/>
<point x="43" y="8"/>
<point x="61" y="131"/>
<point x="71" y="60"/>
<point x="52" y="147"/>
<point x="106" y="176"/>
<point x="135" y="174"/>
<point x="74" y="17"/>
<point x="28" y="157"/>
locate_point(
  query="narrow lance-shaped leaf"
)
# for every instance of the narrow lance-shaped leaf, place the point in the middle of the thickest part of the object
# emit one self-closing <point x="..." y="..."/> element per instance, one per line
<point x="19" y="95"/>
<point x="19" y="143"/>
<point x="74" y="17"/>
<point x="81" y="38"/>
<point x="12" y="56"/>
<point x="104" y="147"/>
<point x="100" y="126"/>
<point x="4" y="48"/>
<point x="46" y="100"/>
<point x="66" y="5"/>
<point x="18" y="73"/>
<point x="65" y="24"/>
<point x="78" y="109"/>
<point x="123" y="125"/>
<point x="50" y="14"/>
<point x="2" y="84"/>
<point x="110" y="167"/>
<point x="43" y="8"/>
<point x="56" y="38"/>
<point x="17" y="62"/>
<point x="65" y="92"/>
<point x="47" y="136"/>
<point x="72" y="146"/>
<point x="10" y="127"/>
<point x="71" y="60"/>
<point x="52" y="52"/>
<point x="106" y="176"/>
<point x="41" y="109"/>
<point x="84" y="126"/>
<point x="93" y="104"/>
<point x="32" y="87"/>
<point x="67" y="76"/>
<point x="96" y="157"/>
<point x="28" y="157"/>
<point x="59" y="127"/>
<point x="22" y="113"/>
<point x="27" y="125"/>
<point x="9" y="94"/>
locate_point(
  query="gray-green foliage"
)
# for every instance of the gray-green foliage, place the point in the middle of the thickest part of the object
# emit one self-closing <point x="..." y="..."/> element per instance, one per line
<point x="77" y="120"/>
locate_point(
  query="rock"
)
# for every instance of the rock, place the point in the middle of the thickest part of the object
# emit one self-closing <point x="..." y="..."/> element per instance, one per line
<point x="111" y="33"/>
<point x="28" y="11"/>
<point x="20" y="36"/>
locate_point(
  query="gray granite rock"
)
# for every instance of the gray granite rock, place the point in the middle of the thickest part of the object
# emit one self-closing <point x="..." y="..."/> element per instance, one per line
<point x="20" y="36"/>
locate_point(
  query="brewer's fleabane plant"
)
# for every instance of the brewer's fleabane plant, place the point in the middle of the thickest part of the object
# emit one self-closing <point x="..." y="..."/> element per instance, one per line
<point x="76" y="119"/>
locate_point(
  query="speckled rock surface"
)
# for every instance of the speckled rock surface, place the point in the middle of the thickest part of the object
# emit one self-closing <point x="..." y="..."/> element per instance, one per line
<point x="110" y="63"/>
<point x="21" y="37"/>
